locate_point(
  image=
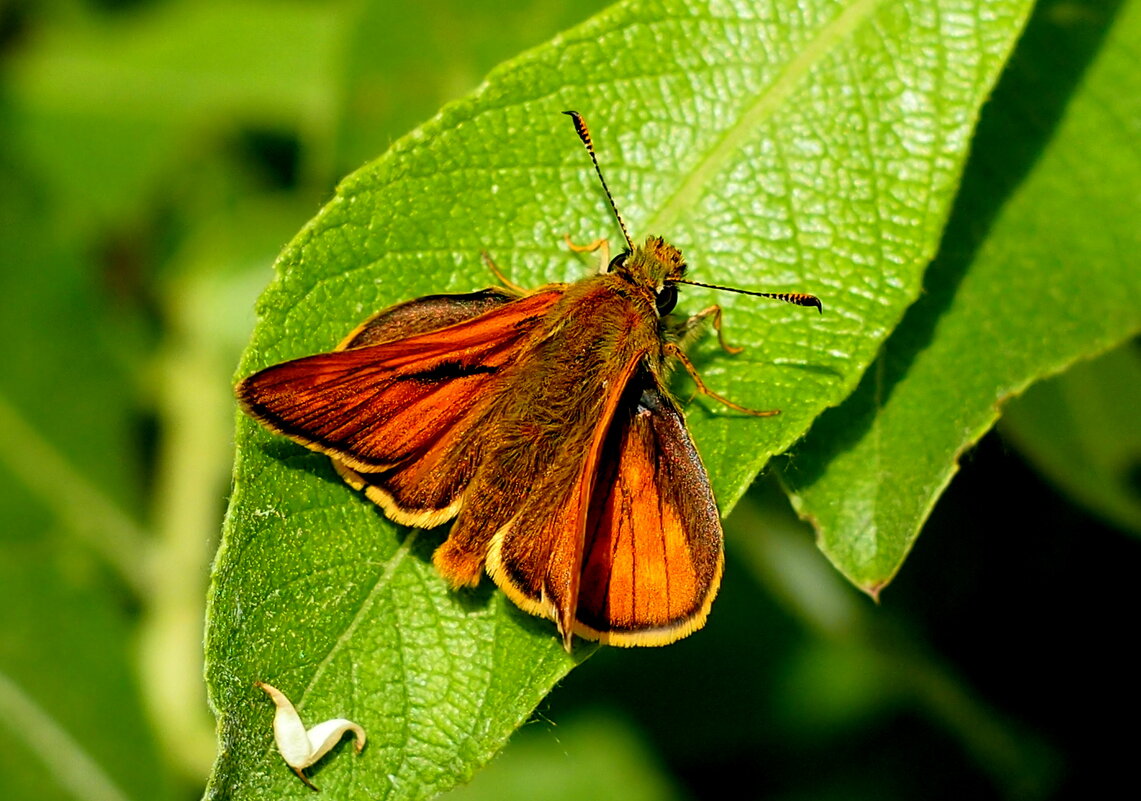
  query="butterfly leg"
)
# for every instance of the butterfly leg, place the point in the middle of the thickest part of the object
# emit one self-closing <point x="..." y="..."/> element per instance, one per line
<point x="674" y="350"/>
<point x="602" y="245"/>
<point x="507" y="283"/>
<point x="689" y="328"/>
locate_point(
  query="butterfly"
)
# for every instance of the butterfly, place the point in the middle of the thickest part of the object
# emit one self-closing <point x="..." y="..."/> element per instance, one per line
<point x="541" y="424"/>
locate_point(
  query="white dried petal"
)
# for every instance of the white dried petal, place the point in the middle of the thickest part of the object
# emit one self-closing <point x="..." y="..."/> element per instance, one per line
<point x="300" y="747"/>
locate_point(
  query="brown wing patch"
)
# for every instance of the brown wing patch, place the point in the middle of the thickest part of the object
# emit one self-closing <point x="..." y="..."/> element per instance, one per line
<point x="419" y="316"/>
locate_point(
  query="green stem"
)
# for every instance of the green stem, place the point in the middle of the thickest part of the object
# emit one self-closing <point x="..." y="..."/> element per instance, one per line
<point x="73" y="498"/>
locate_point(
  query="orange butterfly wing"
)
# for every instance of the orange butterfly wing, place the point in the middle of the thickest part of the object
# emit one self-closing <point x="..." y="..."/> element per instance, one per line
<point x="396" y="406"/>
<point x="653" y="544"/>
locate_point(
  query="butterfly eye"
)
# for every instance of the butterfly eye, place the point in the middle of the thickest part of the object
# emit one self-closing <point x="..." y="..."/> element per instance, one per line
<point x="617" y="262"/>
<point x="667" y="298"/>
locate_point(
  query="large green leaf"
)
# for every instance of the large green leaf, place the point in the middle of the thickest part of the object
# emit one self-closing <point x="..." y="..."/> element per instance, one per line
<point x="811" y="146"/>
<point x="1038" y="269"/>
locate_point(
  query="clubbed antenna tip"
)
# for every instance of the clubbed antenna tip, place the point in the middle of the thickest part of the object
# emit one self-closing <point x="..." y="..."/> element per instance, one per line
<point x="796" y="298"/>
<point x="584" y="134"/>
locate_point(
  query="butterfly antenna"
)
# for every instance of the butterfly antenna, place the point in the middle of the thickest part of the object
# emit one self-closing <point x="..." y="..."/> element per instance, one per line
<point x="584" y="135"/>
<point x="795" y="298"/>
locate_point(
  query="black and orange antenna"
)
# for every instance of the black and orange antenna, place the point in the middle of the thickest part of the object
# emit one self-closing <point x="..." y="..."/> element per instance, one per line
<point x="795" y="298"/>
<point x="584" y="134"/>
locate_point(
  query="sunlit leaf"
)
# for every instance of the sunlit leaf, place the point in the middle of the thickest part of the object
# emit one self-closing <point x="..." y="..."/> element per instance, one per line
<point x="810" y="147"/>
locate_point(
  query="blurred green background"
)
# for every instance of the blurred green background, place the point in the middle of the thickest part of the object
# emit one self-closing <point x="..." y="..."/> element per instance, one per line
<point x="155" y="157"/>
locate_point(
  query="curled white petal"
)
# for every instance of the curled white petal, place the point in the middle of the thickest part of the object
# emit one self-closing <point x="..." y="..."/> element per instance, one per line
<point x="325" y="735"/>
<point x="299" y="747"/>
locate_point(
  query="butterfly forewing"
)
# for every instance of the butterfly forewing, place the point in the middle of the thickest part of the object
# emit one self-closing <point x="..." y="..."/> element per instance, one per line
<point x="429" y="313"/>
<point x="403" y="403"/>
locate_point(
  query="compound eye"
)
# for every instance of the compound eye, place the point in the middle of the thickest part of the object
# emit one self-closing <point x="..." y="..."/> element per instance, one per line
<point x="667" y="298"/>
<point x="617" y="262"/>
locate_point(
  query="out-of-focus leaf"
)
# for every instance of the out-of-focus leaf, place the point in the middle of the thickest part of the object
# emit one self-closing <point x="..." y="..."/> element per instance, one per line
<point x="592" y="756"/>
<point x="71" y="723"/>
<point x="1082" y="430"/>
<point x="64" y="395"/>
<point x="104" y="111"/>
<point x="432" y="53"/>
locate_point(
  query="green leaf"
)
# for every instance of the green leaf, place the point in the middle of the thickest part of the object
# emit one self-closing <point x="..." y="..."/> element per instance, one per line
<point x="592" y="756"/>
<point x="813" y="146"/>
<point x="1036" y="271"/>
<point x="1082" y="431"/>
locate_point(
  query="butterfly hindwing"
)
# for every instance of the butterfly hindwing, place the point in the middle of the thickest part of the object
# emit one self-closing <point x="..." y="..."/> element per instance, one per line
<point x="616" y="537"/>
<point x="652" y="555"/>
<point x="535" y="556"/>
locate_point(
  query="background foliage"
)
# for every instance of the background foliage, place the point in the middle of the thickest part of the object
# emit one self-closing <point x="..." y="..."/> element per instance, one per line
<point x="157" y="156"/>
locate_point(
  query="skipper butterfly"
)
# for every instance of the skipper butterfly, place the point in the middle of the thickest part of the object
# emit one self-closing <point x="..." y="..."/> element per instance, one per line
<point x="541" y="423"/>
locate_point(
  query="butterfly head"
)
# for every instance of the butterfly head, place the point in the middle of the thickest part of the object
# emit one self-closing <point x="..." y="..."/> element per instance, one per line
<point x="655" y="266"/>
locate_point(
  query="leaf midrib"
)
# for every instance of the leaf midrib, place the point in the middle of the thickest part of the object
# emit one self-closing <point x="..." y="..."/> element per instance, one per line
<point x="768" y="101"/>
<point x="381" y="582"/>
